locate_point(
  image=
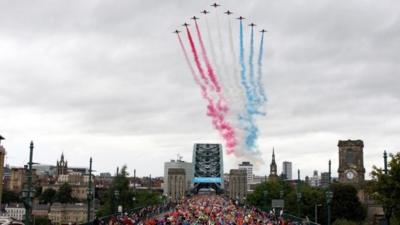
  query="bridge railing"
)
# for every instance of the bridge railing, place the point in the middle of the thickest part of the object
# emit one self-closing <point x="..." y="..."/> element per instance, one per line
<point x="299" y="220"/>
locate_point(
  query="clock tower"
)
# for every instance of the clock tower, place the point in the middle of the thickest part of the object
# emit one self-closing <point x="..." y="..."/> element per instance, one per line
<point x="351" y="162"/>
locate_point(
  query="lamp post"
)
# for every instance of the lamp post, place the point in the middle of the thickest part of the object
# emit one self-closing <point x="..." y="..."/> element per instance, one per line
<point x="329" y="183"/>
<point x="28" y="190"/>
<point x="89" y="191"/>
<point x="329" y="196"/>
<point x="116" y="194"/>
<point x="316" y="212"/>
<point x="298" y="203"/>
<point x="265" y="193"/>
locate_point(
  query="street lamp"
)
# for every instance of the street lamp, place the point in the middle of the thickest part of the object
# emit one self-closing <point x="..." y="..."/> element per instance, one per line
<point x="27" y="192"/>
<point x="116" y="194"/>
<point x="329" y="196"/>
<point x="316" y="212"/>
<point x="89" y="191"/>
<point x="265" y="193"/>
<point x="298" y="203"/>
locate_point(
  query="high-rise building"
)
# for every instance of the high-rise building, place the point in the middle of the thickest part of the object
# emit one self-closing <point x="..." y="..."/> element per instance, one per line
<point x="248" y="167"/>
<point x="178" y="164"/>
<point x="2" y="155"/>
<point x="287" y="170"/>
<point x="324" y="179"/>
<point x="314" y="181"/>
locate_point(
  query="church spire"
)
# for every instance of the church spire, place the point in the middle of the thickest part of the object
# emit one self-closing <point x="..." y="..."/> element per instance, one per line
<point x="273" y="175"/>
<point x="273" y="154"/>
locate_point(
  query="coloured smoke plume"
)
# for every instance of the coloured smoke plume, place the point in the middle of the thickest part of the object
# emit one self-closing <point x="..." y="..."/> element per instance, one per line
<point x="235" y="97"/>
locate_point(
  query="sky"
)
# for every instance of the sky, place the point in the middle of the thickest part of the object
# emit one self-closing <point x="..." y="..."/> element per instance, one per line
<point x="107" y="79"/>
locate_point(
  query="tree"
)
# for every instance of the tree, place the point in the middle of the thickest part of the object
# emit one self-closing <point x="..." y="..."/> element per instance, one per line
<point x="345" y="203"/>
<point x="385" y="188"/>
<point x="64" y="194"/>
<point x="121" y="194"/>
<point x="48" y="196"/>
<point x="10" y="196"/>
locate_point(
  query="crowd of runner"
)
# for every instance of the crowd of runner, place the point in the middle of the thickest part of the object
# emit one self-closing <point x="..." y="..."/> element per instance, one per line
<point x="201" y="210"/>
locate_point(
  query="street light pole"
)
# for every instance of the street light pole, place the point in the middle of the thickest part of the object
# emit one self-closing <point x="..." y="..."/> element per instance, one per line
<point x="330" y="174"/>
<point x="316" y="212"/>
<point x="298" y="194"/>
<point x="385" y="161"/>
<point x="28" y="190"/>
<point x="89" y="192"/>
<point x="329" y="196"/>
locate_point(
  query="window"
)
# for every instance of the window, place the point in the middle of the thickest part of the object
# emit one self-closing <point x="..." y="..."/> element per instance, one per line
<point x="350" y="156"/>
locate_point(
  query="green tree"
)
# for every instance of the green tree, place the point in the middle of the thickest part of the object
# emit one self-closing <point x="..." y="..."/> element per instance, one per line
<point x="121" y="194"/>
<point x="345" y="203"/>
<point x="265" y="192"/>
<point x="385" y="188"/>
<point x="64" y="194"/>
<point x="10" y="196"/>
<point x="48" y="196"/>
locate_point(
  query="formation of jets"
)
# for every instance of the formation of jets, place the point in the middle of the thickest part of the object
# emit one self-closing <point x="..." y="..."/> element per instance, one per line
<point x="215" y="5"/>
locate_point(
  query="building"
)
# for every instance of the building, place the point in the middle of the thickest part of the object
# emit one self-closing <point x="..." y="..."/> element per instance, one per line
<point x="45" y="170"/>
<point x="287" y="170"/>
<point x="41" y="210"/>
<point x="324" y="180"/>
<point x="351" y="162"/>
<point x="178" y="164"/>
<point x="68" y="213"/>
<point x="17" y="179"/>
<point x="15" y="211"/>
<point x="248" y="167"/>
<point x="315" y="180"/>
<point x="208" y="167"/>
<point x="273" y="172"/>
<point x="62" y="166"/>
<point x="237" y="184"/>
<point x="177" y="185"/>
<point x="2" y="156"/>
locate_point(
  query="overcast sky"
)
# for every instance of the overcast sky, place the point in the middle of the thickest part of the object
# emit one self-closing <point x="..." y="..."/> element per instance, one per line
<point x="107" y="79"/>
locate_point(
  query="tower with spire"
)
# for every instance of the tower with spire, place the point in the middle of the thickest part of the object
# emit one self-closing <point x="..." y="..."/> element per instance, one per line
<point x="273" y="174"/>
<point x="62" y="166"/>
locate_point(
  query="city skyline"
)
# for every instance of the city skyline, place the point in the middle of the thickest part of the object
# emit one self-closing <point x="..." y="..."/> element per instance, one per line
<point x="106" y="80"/>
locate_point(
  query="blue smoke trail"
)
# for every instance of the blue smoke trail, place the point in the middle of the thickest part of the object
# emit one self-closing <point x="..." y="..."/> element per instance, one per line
<point x="251" y="128"/>
<point x="259" y="76"/>
<point x="251" y="69"/>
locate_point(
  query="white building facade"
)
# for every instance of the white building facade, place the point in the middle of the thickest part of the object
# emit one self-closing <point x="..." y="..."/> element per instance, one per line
<point x="249" y="170"/>
<point x="15" y="211"/>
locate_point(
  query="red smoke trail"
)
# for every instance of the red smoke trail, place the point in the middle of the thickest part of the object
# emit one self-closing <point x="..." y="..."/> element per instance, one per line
<point x="210" y="70"/>
<point x="217" y="113"/>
